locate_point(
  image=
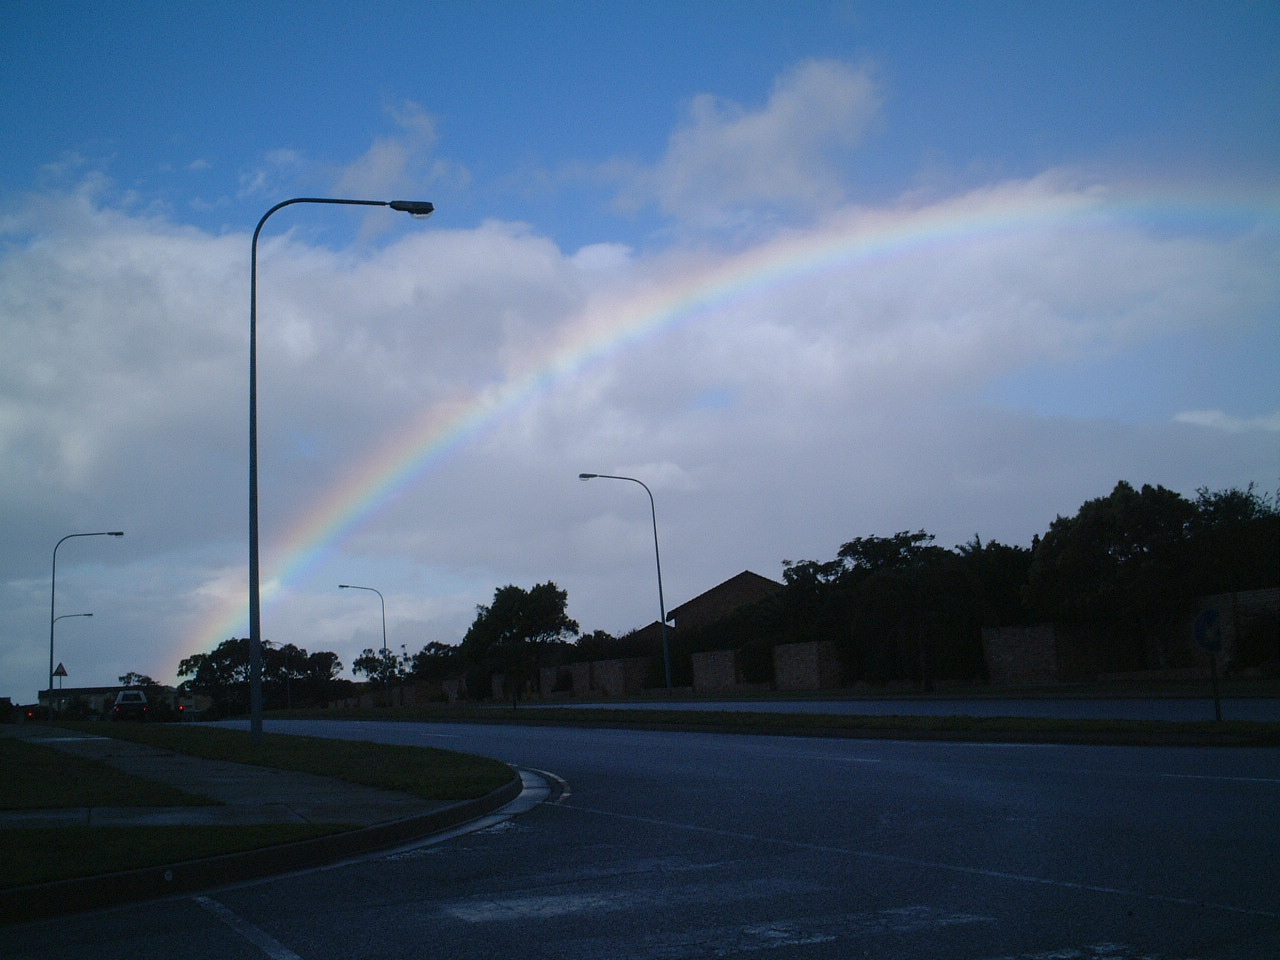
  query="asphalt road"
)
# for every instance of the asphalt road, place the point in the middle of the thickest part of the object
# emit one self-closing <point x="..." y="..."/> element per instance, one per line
<point x="668" y="846"/>
<point x="1073" y="708"/>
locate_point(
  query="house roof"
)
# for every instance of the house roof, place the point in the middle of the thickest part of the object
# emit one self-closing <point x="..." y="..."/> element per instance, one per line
<point x="722" y="599"/>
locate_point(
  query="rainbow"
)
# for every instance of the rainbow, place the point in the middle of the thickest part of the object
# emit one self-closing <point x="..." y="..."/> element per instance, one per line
<point x="859" y="239"/>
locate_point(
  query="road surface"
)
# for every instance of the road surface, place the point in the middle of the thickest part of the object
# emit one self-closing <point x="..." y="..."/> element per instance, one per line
<point x="674" y="846"/>
<point x="1124" y="708"/>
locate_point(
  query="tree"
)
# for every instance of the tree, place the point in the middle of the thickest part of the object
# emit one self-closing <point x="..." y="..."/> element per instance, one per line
<point x="321" y="681"/>
<point x="290" y="675"/>
<point x="380" y="666"/>
<point x="283" y="670"/>
<point x="509" y="634"/>
<point x="902" y="551"/>
<point x="899" y="608"/>
<point x="1236" y="535"/>
<point x="1236" y="539"/>
<point x="1124" y="560"/>
<point x="222" y="675"/>
<point x="996" y="574"/>
<point x="132" y="679"/>
<point x="597" y="645"/>
<point x="904" y="605"/>
<point x="434" y="662"/>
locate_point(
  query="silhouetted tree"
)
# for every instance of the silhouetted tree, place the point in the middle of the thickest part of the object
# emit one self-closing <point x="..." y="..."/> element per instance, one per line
<point x="997" y="575"/>
<point x="321" y="678"/>
<point x="435" y="662"/>
<point x="1125" y="560"/>
<point x="137" y="680"/>
<point x="222" y="675"/>
<point x="290" y="676"/>
<point x="380" y="666"/>
<point x="509" y="634"/>
<point x="899" y="608"/>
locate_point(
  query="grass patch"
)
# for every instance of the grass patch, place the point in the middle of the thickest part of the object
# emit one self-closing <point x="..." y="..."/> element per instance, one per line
<point x="440" y="775"/>
<point x="957" y="727"/>
<point x="1034" y="729"/>
<point x="44" y="854"/>
<point x="33" y="777"/>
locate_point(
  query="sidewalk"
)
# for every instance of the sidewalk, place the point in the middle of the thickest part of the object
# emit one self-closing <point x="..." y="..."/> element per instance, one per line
<point x="240" y="794"/>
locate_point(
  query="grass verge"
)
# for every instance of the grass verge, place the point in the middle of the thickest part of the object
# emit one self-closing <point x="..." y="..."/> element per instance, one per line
<point x="440" y="775"/>
<point x="35" y="777"/>
<point x="1008" y="729"/>
<point x="44" y="854"/>
<point x="30" y="775"/>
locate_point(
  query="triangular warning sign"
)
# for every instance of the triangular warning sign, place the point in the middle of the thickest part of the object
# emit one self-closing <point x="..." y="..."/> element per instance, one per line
<point x="61" y="671"/>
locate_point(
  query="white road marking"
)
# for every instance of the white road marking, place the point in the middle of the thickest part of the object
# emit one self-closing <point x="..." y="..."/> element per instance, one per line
<point x="565" y="792"/>
<point x="263" y="941"/>
<point x="541" y="908"/>
<point x="932" y="865"/>
<point x="1206" y="776"/>
<point x="1092" y="951"/>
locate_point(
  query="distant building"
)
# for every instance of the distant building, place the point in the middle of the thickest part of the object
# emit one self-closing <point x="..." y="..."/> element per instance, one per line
<point x="721" y="600"/>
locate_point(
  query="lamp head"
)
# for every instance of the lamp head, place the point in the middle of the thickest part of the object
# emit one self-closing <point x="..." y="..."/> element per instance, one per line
<point x="115" y="533"/>
<point x="418" y="209"/>
<point x="344" y="586"/>
<point x="587" y="476"/>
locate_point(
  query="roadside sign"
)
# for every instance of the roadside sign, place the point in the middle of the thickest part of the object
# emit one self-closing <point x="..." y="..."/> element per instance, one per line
<point x="61" y="671"/>
<point x="1209" y="636"/>
<point x="1209" y="631"/>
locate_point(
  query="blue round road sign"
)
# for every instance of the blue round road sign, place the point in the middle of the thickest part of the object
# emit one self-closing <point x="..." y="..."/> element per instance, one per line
<point x="1209" y="631"/>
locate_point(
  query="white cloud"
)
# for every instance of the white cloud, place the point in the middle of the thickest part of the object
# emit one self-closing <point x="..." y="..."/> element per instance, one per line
<point x="400" y="166"/>
<point x="728" y="166"/>
<point x="1218" y="420"/>
<point x="848" y="401"/>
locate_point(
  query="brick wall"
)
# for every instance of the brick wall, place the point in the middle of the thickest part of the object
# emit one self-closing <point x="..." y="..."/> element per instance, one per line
<point x="616" y="678"/>
<point x="1237" y="612"/>
<point x="806" y="666"/>
<point x="1020" y="655"/>
<point x="1050" y="653"/>
<point x="716" y="671"/>
<point x="605" y="678"/>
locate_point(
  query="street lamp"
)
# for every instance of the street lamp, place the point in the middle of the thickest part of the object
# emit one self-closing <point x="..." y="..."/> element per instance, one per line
<point x="419" y="209"/>
<point x="53" y="590"/>
<point x="385" y="680"/>
<point x="662" y="609"/>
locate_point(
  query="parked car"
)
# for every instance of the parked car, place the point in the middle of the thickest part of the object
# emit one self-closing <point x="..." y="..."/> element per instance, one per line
<point x="130" y="705"/>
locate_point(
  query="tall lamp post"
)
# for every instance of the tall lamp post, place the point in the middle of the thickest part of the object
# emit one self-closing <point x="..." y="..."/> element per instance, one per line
<point x="53" y="591"/>
<point x="415" y="208"/>
<point x="386" y="682"/>
<point x="662" y="609"/>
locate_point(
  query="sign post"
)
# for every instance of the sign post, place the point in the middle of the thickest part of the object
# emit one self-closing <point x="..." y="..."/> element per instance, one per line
<point x="59" y="673"/>
<point x="1209" y="636"/>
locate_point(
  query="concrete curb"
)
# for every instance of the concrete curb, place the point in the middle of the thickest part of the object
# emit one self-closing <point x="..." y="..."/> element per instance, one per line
<point x="41" y="901"/>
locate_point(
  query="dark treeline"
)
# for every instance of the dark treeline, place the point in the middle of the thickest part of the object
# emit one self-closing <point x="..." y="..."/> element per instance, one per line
<point x="900" y="609"/>
<point x="291" y="677"/>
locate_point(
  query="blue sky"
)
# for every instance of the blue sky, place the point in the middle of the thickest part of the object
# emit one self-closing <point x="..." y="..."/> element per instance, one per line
<point x="584" y="157"/>
<point x="186" y="104"/>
